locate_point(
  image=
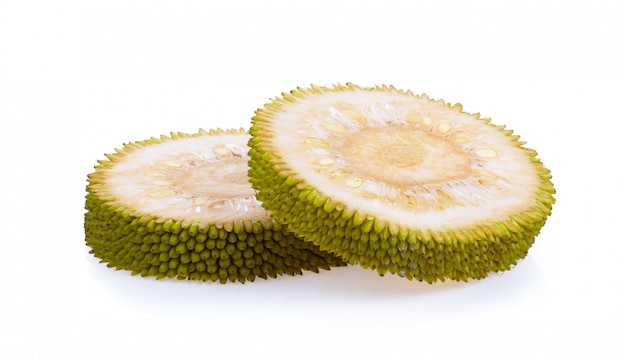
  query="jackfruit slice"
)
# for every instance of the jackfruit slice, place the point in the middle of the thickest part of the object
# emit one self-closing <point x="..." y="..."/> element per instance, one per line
<point x="181" y="206"/>
<point x="397" y="182"/>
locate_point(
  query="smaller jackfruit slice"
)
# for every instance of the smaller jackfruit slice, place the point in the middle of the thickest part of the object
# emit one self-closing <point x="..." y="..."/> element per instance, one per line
<point x="181" y="206"/>
<point x="397" y="182"/>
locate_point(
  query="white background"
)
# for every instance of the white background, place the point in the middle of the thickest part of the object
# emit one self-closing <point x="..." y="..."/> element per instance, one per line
<point x="79" y="79"/>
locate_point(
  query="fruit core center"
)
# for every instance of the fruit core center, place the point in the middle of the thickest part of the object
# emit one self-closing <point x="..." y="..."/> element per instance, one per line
<point x="404" y="156"/>
<point x="225" y="178"/>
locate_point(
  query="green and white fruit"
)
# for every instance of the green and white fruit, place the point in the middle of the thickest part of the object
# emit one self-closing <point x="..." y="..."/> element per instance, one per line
<point x="182" y="206"/>
<point x="397" y="182"/>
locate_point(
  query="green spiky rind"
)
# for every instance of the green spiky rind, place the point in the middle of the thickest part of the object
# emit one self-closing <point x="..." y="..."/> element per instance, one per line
<point x="424" y="255"/>
<point x="162" y="247"/>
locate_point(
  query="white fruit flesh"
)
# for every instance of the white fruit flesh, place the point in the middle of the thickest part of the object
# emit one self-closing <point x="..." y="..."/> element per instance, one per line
<point x="405" y="159"/>
<point x="194" y="178"/>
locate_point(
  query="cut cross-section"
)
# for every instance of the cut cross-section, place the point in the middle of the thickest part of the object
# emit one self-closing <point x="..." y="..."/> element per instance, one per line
<point x="182" y="206"/>
<point x="397" y="182"/>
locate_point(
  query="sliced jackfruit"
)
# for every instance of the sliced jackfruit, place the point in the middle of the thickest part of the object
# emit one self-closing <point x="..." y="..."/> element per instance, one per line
<point x="397" y="182"/>
<point x="181" y="206"/>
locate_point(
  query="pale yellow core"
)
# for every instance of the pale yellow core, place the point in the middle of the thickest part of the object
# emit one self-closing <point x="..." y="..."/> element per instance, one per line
<point x="202" y="178"/>
<point x="404" y="157"/>
<point x="193" y="180"/>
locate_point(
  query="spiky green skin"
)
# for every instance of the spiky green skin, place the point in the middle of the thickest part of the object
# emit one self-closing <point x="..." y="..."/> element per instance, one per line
<point x="424" y="255"/>
<point x="160" y="247"/>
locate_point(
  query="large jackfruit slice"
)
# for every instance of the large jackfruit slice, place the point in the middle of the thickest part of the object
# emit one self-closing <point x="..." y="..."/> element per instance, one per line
<point x="182" y="206"/>
<point x="397" y="182"/>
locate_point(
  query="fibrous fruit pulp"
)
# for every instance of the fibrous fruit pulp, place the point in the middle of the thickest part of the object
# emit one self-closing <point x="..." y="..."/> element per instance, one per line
<point x="397" y="182"/>
<point x="181" y="206"/>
